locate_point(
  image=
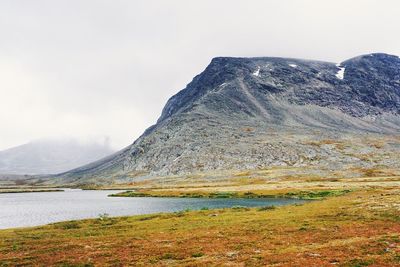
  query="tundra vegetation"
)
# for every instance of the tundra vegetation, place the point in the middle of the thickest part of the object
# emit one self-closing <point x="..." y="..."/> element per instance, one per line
<point x="354" y="222"/>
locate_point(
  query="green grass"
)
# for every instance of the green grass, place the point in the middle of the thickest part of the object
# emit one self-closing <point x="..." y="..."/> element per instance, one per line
<point x="316" y="194"/>
<point x="306" y="195"/>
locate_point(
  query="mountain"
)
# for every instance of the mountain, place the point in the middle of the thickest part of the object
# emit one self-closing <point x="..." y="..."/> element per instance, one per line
<point x="247" y="113"/>
<point x="50" y="156"/>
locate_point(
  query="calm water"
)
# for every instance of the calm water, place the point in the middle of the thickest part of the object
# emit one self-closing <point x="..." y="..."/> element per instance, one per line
<point x="31" y="209"/>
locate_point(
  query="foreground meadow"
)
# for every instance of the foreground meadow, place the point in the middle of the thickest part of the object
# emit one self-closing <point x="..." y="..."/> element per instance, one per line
<point x="358" y="227"/>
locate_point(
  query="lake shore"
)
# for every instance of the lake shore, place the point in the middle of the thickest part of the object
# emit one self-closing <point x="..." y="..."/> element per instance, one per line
<point x="296" y="194"/>
<point x="358" y="228"/>
<point x="28" y="190"/>
<point x="24" y="210"/>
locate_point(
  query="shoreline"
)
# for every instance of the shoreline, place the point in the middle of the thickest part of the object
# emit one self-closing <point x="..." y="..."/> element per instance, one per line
<point x="12" y="191"/>
<point x="294" y="194"/>
<point x="360" y="227"/>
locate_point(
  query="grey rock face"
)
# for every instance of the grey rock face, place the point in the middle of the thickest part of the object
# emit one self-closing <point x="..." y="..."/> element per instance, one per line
<point x="244" y="113"/>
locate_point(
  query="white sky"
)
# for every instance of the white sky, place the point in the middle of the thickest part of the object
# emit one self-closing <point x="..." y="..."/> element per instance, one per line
<point x="92" y="68"/>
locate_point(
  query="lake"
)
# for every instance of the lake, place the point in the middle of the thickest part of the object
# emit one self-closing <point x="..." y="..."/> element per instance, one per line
<point x="32" y="209"/>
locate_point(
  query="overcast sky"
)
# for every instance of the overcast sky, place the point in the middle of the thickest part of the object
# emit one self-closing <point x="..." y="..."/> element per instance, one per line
<point x="92" y="68"/>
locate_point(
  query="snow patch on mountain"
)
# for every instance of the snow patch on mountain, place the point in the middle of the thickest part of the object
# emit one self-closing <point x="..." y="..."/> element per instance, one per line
<point x="340" y="73"/>
<point x="257" y="72"/>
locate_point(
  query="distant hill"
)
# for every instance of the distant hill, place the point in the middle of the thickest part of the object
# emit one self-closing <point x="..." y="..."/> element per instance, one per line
<point x="50" y="156"/>
<point x="255" y="113"/>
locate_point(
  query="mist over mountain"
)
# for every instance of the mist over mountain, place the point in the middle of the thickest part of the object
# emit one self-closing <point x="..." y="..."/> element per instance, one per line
<point x="246" y="113"/>
<point x="50" y="156"/>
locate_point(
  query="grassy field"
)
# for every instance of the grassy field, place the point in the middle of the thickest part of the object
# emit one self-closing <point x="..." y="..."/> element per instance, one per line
<point x="359" y="227"/>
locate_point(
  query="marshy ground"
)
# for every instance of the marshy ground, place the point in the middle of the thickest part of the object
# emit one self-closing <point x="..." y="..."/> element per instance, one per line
<point x="356" y="224"/>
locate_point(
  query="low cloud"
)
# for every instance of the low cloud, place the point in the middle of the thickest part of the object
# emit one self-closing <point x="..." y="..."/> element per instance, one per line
<point x="106" y="68"/>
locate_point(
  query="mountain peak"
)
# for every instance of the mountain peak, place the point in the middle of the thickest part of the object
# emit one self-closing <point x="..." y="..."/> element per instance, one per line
<point x="298" y="81"/>
<point x="201" y="127"/>
<point x="375" y="57"/>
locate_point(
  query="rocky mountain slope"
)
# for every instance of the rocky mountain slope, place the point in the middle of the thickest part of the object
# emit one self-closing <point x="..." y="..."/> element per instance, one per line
<point x="247" y="113"/>
<point x="50" y="156"/>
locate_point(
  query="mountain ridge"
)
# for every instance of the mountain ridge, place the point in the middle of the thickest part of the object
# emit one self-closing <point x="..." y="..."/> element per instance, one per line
<point x="46" y="156"/>
<point x="272" y="97"/>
